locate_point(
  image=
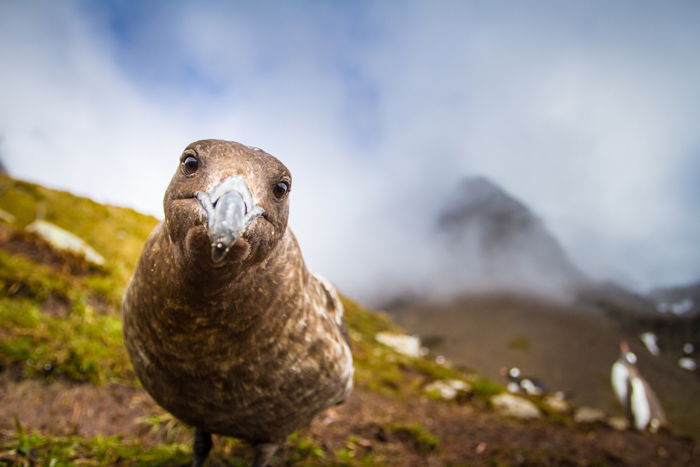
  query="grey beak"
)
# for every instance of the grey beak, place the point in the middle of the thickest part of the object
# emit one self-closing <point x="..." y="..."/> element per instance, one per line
<point x="229" y="209"/>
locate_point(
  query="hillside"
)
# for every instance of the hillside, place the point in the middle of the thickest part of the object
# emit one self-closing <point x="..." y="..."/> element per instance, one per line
<point x="494" y="241"/>
<point x="570" y="347"/>
<point x="69" y="397"/>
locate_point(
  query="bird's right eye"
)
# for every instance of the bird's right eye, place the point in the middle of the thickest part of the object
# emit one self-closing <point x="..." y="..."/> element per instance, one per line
<point x="280" y="189"/>
<point x="190" y="164"/>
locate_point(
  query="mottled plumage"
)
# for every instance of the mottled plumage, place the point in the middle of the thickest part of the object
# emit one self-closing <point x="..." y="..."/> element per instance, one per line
<point x="225" y="326"/>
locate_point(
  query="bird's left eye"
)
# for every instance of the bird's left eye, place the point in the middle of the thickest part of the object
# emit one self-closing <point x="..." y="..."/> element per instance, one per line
<point x="280" y="189"/>
<point x="190" y="164"/>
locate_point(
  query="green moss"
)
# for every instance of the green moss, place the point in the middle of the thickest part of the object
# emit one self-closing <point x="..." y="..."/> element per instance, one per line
<point x="55" y="323"/>
<point x="352" y="455"/>
<point x="116" y="233"/>
<point x="344" y="456"/>
<point x="37" y="449"/>
<point x="304" y="450"/>
<point x="106" y="289"/>
<point x="483" y="388"/>
<point x="365" y="324"/>
<point x="82" y="346"/>
<point x="376" y="366"/>
<point x="21" y="277"/>
<point x="421" y="439"/>
<point x="435" y="371"/>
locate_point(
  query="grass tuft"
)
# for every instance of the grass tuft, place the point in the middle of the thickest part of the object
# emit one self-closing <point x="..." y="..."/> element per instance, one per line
<point x="82" y="346"/>
<point x="33" y="448"/>
<point x="422" y="440"/>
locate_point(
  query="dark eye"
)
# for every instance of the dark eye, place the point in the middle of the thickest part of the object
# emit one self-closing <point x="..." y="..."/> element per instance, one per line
<point x="190" y="164"/>
<point x="280" y="190"/>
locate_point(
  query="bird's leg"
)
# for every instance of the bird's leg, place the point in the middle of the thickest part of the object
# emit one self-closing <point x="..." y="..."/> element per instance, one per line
<point x="202" y="446"/>
<point x="263" y="454"/>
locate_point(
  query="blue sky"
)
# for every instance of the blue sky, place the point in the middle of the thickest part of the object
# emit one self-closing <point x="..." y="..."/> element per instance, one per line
<point x="587" y="111"/>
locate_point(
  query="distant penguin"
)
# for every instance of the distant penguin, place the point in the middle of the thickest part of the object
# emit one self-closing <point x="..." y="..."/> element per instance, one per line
<point x="519" y="384"/>
<point x="642" y="407"/>
<point x="650" y="342"/>
<point x="687" y="362"/>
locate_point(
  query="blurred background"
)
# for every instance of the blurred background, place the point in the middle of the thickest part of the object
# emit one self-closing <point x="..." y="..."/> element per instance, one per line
<point x="515" y="182"/>
<point x="585" y="112"/>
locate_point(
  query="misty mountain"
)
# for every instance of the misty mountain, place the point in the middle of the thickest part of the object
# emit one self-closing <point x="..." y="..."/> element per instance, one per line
<point x="506" y="267"/>
<point x="495" y="242"/>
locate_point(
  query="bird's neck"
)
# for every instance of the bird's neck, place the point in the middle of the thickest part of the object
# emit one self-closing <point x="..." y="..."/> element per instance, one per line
<point x="240" y="286"/>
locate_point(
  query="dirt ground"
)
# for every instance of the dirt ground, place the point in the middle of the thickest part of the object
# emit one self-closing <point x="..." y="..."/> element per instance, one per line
<point x="568" y="349"/>
<point x="465" y="433"/>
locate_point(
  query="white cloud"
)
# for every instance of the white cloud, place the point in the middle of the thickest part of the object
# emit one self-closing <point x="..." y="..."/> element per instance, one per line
<point x="587" y="115"/>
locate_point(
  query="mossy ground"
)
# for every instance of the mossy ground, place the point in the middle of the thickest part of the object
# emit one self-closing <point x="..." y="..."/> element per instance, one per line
<point x="116" y="233"/>
<point x="65" y="375"/>
<point x="32" y="448"/>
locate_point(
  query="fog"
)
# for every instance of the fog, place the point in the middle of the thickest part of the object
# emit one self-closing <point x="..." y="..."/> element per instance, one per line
<point x="588" y="113"/>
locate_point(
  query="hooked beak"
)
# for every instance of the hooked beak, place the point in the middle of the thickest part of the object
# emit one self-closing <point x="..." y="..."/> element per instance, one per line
<point x="229" y="209"/>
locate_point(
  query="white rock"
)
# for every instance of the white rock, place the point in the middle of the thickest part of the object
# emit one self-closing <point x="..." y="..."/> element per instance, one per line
<point x="557" y="404"/>
<point x="63" y="240"/>
<point x="514" y="387"/>
<point x="687" y="363"/>
<point x="448" y="389"/>
<point x="514" y="406"/>
<point x="402" y="343"/>
<point x="7" y="217"/>
<point x="618" y="423"/>
<point x="589" y="415"/>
